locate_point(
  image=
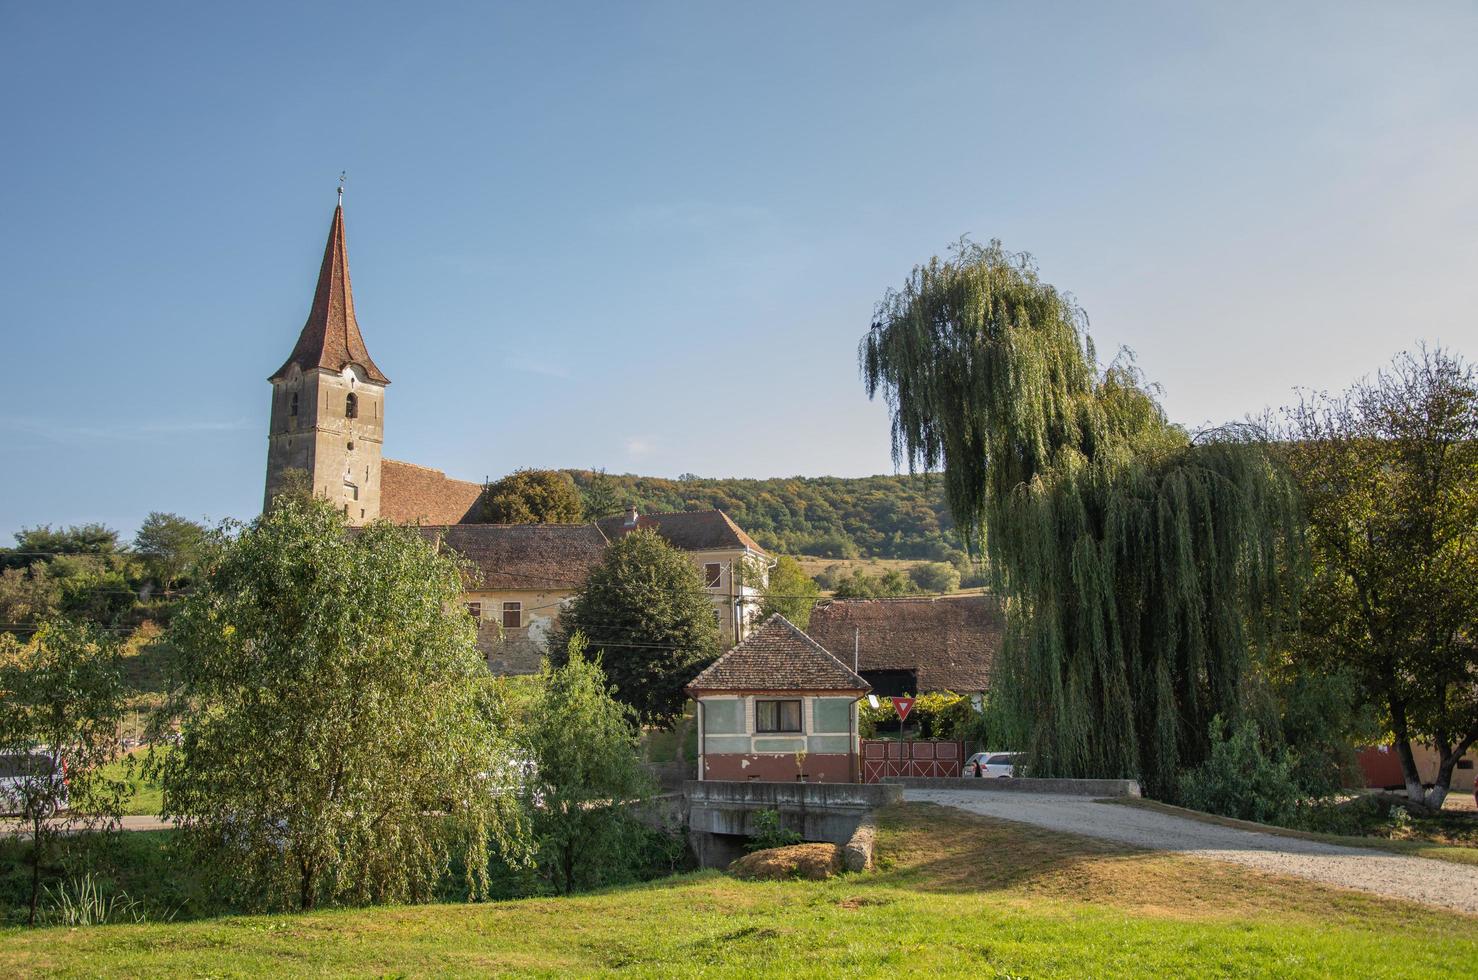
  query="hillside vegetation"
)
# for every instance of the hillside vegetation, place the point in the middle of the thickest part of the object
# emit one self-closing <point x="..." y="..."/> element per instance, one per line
<point x="957" y="894"/>
<point x="825" y="516"/>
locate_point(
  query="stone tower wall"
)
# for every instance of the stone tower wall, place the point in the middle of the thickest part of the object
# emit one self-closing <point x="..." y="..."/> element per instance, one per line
<point x="340" y="455"/>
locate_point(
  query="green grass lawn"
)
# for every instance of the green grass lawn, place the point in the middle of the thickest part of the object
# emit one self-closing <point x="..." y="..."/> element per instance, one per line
<point x="147" y="796"/>
<point x="955" y="894"/>
<point x="1454" y="853"/>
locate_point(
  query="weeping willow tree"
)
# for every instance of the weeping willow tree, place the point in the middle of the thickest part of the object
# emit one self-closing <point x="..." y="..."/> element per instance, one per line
<point x="1140" y="566"/>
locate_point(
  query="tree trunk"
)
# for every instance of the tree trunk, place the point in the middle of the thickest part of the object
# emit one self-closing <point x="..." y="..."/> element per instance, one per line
<point x="1443" y="784"/>
<point x="36" y="821"/>
<point x="1409" y="774"/>
<point x="306" y="894"/>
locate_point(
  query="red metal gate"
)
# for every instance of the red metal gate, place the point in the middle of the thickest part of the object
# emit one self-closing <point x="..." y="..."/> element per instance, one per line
<point x="882" y="758"/>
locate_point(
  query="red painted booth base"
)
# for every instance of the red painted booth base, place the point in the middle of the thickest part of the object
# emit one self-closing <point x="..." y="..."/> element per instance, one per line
<point x="779" y="768"/>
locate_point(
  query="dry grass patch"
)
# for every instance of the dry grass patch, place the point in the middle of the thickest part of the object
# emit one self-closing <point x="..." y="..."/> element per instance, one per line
<point x="940" y="848"/>
<point x="810" y="862"/>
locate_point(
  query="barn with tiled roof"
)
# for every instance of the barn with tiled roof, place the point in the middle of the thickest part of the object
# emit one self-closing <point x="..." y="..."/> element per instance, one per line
<point x="915" y="645"/>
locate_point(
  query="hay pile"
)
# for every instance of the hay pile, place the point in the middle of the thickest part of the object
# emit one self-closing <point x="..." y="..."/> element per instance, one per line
<point x="812" y="862"/>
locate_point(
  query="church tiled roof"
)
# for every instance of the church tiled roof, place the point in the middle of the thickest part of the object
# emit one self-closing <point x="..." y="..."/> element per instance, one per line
<point x="949" y="643"/>
<point x="698" y="530"/>
<point x="331" y="337"/>
<point x="411" y="494"/>
<point x="777" y="657"/>
<point x="523" y="556"/>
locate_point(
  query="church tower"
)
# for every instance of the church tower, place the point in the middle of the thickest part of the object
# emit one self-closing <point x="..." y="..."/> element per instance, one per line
<point x="328" y="400"/>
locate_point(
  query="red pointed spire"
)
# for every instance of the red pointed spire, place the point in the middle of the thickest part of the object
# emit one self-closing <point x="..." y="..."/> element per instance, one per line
<point x="331" y="337"/>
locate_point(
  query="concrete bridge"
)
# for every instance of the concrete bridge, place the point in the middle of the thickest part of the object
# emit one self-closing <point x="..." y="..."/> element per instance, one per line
<point x="720" y="814"/>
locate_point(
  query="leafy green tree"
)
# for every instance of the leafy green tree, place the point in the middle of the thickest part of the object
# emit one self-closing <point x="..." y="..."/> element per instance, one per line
<point x="1141" y="566"/>
<point x="44" y="542"/>
<point x="857" y="584"/>
<point x="936" y="576"/>
<point x="790" y="592"/>
<point x="332" y="702"/>
<point x="296" y="484"/>
<point x="27" y="596"/>
<point x="649" y="621"/>
<point x="61" y="704"/>
<point x="171" y="546"/>
<point x="1389" y="474"/>
<point x="876" y="516"/>
<point x="532" y="497"/>
<point x="599" y="496"/>
<point x="585" y="774"/>
<point x="1322" y="714"/>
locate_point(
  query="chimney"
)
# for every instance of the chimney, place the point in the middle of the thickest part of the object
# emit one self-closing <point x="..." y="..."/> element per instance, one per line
<point x="631" y="516"/>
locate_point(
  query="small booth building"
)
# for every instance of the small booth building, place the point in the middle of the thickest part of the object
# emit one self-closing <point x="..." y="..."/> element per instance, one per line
<point x="778" y="707"/>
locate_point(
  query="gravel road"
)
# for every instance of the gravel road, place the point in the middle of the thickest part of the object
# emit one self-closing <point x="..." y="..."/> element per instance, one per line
<point x="1452" y="886"/>
<point x="11" y="827"/>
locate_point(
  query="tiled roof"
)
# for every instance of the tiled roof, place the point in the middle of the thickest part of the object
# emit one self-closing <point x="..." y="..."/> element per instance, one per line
<point x="524" y="556"/>
<point x="949" y="642"/>
<point x="411" y="494"/>
<point x="777" y="657"/>
<point x="696" y="530"/>
<point x="331" y="337"/>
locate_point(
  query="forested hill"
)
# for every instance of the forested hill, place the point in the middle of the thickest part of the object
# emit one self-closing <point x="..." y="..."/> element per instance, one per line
<point x="830" y="517"/>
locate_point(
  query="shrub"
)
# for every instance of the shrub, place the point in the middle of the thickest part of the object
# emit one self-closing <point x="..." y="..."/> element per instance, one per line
<point x="935" y="576"/>
<point x="1242" y="779"/>
<point x="769" y="833"/>
<point x="938" y="714"/>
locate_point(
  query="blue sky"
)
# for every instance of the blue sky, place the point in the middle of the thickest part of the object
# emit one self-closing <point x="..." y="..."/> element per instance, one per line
<point x="648" y="237"/>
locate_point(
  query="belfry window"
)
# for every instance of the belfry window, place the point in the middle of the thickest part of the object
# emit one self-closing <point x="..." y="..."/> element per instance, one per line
<point x="351" y="406"/>
<point x="293" y="405"/>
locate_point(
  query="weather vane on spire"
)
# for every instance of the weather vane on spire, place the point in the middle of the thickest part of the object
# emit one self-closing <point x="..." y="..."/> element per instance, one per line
<point x="342" y="175"/>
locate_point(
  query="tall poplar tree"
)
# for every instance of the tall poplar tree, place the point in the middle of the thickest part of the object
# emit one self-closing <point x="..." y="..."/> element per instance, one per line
<point x="1139" y="565"/>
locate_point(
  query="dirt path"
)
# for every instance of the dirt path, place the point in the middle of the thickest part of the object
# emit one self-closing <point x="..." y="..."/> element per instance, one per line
<point x="1452" y="886"/>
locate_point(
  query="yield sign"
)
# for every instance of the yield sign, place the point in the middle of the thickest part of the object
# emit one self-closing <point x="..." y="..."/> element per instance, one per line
<point x="903" y="706"/>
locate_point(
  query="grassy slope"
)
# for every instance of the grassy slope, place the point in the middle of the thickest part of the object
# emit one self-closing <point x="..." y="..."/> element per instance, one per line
<point x="1456" y="854"/>
<point x="146" y="795"/>
<point x="957" y="894"/>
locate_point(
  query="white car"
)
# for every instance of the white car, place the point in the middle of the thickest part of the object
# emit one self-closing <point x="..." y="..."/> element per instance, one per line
<point x="26" y="776"/>
<point x="991" y="765"/>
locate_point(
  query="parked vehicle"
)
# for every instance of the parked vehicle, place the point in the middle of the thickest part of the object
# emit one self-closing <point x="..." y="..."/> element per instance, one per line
<point x="991" y="765"/>
<point x="32" y="776"/>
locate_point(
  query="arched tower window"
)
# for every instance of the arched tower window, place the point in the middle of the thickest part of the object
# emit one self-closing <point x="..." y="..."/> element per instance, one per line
<point x="351" y="406"/>
<point x="293" y="405"/>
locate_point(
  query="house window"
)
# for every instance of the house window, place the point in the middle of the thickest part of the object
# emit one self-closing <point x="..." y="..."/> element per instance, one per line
<point x="293" y="406"/>
<point x="353" y="491"/>
<point x="474" y="609"/>
<point x="512" y="615"/>
<point x="351" y="406"/>
<point x="777" y="716"/>
<point x="712" y="571"/>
